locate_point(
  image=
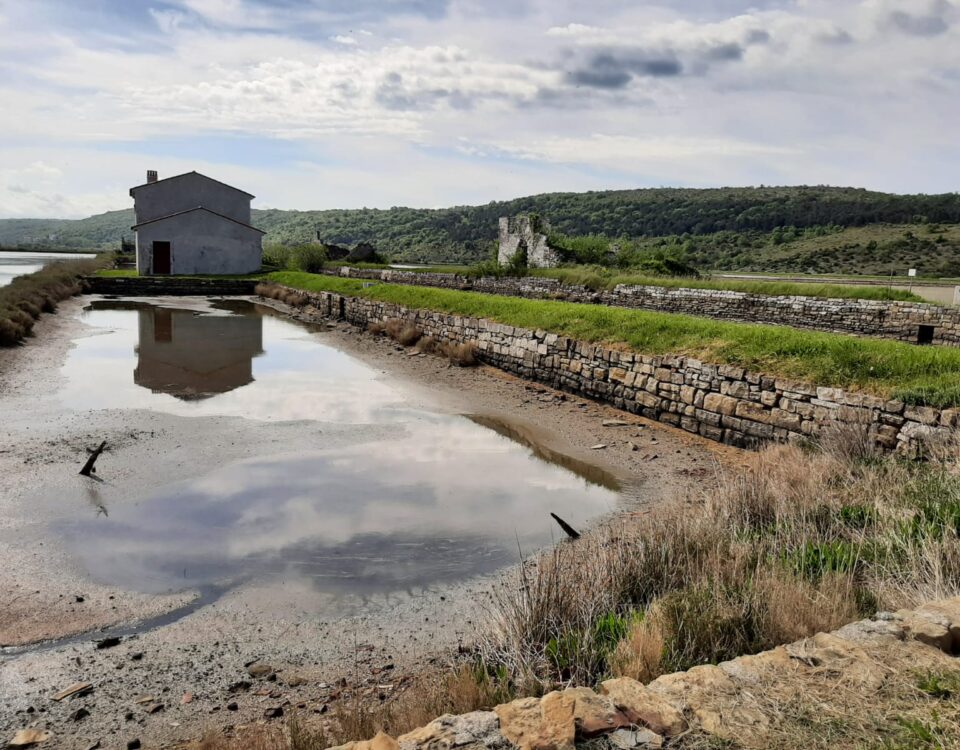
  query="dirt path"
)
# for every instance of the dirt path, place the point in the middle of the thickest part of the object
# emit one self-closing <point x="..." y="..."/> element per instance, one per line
<point x="194" y="665"/>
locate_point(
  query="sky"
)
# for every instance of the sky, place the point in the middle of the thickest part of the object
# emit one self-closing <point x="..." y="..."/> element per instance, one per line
<point x="315" y="104"/>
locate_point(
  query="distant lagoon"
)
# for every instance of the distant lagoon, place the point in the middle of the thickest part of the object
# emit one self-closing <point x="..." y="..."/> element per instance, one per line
<point x="15" y="263"/>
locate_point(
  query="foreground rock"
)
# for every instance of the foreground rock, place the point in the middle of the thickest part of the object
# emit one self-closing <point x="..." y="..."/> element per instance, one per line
<point x="725" y="701"/>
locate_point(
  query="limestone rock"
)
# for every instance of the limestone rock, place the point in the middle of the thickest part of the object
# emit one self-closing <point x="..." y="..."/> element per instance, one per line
<point x="752" y="668"/>
<point x="643" y="706"/>
<point x="478" y="730"/>
<point x="717" y="703"/>
<point x="949" y="611"/>
<point x="627" y="739"/>
<point x="595" y="714"/>
<point x="381" y="742"/>
<point x="29" y="737"/>
<point x="928" y="628"/>
<point x="872" y="632"/>
<point x="539" y="723"/>
<point x="840" y="658"/>
<point x="259" y="669"/>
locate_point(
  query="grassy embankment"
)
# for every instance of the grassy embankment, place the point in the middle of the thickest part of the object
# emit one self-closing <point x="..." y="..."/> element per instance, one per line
<point x="26" y="297"/>
<point x="600" y="278"/>
<point x="921" y="375"/>
<point x="795" y="543"/>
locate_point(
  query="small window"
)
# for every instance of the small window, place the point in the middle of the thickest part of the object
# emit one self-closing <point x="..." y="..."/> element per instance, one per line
<point x="925" y="334"/>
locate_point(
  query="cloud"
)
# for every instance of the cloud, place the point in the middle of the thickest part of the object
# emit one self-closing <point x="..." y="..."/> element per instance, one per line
<point x="393" y="101"/>
<point x="572" y="29"/>
<point x="926" y="25"/>
<point x="614" y="70"/>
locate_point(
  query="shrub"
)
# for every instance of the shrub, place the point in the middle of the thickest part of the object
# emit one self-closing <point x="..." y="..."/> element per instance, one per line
<point x="308" y="258"/>
<point x="277" y="257"/>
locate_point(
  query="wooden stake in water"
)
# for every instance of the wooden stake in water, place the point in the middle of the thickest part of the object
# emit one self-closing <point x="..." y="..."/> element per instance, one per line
<point x="94" y="455"/>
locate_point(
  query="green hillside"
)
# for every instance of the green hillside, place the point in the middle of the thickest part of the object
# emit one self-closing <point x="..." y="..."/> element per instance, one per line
<point x="843" y="230"/>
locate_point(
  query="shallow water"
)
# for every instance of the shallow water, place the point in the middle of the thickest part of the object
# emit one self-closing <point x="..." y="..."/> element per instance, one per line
<point x="427" y="500"/>
<point x="13" y="264"/>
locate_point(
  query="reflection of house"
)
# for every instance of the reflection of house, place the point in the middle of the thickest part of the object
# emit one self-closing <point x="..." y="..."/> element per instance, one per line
<point x="193" y="356"/>
<point x="192" y="224"/>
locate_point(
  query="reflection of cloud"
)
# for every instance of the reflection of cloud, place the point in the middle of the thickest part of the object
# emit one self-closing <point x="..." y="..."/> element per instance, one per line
<point x="449" y="500"/>
<point x="442" y="500"/>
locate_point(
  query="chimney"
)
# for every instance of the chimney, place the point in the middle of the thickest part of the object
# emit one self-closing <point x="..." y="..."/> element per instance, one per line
<point x="151" y="176"/>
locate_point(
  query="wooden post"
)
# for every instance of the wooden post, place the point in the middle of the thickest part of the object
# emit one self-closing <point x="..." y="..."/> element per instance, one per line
<point x="88" y="466"/>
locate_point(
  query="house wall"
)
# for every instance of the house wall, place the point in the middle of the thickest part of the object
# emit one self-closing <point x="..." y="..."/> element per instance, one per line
<point x="720" y="402"/>
<point x="189" y="191"/>
<point x="201" y="242"/>
<point x="891" y="320"/>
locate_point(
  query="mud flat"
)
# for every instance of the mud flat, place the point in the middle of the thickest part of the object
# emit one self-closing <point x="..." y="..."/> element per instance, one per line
<point x="202" y="546"/>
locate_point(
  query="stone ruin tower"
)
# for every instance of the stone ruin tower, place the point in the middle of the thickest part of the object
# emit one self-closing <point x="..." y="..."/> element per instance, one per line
<point x="526" y="232"/>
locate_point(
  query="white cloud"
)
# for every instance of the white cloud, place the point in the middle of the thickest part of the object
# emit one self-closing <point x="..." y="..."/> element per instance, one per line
<point x="482" y="101"/>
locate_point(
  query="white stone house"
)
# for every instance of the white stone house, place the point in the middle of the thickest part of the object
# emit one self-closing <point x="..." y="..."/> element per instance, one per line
<point x="193" y="224"/>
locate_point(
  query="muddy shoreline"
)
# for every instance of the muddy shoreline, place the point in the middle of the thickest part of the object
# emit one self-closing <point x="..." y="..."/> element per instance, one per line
<point x="189" y="665"/>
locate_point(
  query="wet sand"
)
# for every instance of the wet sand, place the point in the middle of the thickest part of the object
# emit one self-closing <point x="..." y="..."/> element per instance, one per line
<point x="46" y="595"/>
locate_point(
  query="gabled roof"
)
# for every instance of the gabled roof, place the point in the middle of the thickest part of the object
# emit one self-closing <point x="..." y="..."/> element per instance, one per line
<point x="187" y="174"/>
<point x="191" y="210"/>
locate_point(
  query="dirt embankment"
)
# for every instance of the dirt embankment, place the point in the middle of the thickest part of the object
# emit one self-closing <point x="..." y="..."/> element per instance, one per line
<point x="195" y="663"/>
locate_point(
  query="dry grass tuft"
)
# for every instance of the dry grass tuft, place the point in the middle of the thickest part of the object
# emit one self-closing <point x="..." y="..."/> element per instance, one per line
<point x="799" y="542"/>
<point x="459" y="690"/>
<point x="401" y="331"/>
<point x="428" y="345"/>
<point x="281" y="294"/>
<point x="462" y="355"/>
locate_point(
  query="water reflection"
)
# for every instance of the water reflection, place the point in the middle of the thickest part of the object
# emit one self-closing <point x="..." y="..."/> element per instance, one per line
<point x="195" y="358"/>
<point x="434" y="499"/>
<point x="191" y="355"/>
<point x="446" y="501"/>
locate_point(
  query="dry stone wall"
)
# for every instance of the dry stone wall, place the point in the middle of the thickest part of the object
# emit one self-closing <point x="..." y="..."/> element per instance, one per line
<point x="720" y="402"/>
<point x="903" y="321"/>
<point x="157" y="286"/>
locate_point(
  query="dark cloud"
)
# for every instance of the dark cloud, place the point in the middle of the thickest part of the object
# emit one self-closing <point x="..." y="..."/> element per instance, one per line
<point x="723" y="53"/>
<point x="615" y="69"/>
<point x="838" y="36"/>
<point x="757" y="36"/>
<point x="393" y="93"/>
<point x="930" y="24"/>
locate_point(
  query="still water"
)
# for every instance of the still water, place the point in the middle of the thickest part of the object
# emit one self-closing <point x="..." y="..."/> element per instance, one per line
<point x="13" y="264"/>
<point x="429" y="499"/>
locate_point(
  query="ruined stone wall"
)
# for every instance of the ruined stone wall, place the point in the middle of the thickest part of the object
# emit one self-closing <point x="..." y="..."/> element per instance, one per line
<point x="519" y="231"/>
<point x="892" y="320"/>
<point x="720" y="402"/>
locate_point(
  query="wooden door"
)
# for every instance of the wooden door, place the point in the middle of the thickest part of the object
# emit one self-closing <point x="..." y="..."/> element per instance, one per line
<point x="161" y="257"/>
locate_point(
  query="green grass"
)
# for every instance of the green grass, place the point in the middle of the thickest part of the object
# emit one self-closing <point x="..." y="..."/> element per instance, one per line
<point x="924" y="375"/>
<point x="600" y="278"/>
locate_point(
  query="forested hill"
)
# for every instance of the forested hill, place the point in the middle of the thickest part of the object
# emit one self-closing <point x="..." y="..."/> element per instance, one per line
<point x="465" y="233"/>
